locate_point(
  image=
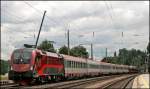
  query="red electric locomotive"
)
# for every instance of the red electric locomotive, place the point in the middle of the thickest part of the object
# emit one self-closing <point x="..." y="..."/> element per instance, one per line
<point x="30" y="64"/>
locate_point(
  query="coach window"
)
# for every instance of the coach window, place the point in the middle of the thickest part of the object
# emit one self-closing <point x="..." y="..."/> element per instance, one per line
<point x="103" y="66"/>
<point x="74" y="64"/>
<point x="65" y="63"/>
<point x="80" y="64"/>
<point x="99" y="66"/>
<point x="83" y="65"/>
<point x="71" y="64"/>
<point x="77" y="64"/>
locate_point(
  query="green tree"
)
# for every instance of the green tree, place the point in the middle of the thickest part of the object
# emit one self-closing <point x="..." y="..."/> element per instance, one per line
<point x="4" y="66"/>
<point x="79" y="51"/>
<point x="47" y="46"/>
<point x="63" y="50"/>
<point x="115" y="54"/>
<point x="128" y="57"/>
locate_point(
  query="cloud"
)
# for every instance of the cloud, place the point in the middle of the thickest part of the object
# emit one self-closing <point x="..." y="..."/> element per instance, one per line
<point x="20" y="21"/>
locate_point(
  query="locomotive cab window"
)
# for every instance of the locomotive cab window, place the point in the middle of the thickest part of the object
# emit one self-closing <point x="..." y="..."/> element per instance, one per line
<point x="21" y="57"/>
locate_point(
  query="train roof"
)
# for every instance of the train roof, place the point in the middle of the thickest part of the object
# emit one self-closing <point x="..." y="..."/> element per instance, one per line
<point x="72" y="58"/>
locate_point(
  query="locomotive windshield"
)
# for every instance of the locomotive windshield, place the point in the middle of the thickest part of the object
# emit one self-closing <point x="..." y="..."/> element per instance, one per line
<point x="21" y="57"/>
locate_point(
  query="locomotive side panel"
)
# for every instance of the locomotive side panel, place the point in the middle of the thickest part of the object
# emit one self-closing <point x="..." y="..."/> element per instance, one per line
<point x="48" y="65"/>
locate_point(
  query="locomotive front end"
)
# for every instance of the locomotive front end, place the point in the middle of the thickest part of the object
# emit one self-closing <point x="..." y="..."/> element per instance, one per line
<point x="21" y="65"/>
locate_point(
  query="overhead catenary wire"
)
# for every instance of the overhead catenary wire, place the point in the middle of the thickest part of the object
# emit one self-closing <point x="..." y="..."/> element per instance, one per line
<point x="14" y="14"/>
<point x="40" y="12"/>
<point x="18" y="19"/>
<point x="109" y="10"/>
<point x="46" y="16"/>
<point x="15" y="18"/>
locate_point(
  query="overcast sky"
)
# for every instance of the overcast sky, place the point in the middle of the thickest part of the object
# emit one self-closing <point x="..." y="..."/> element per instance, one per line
<point x="20" y="20"/>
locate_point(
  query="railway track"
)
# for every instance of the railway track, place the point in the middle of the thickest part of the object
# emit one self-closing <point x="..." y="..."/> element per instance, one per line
<point x="73" y="83"/>
<point x="120" y="83"/>
<point x="9" y="85"/>
<point x="82" y="82"/>
<point x="5" y="84"/>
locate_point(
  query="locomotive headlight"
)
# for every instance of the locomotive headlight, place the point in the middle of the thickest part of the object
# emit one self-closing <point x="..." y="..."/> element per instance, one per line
<point x="11" y="68"/>
<point x="31" y="68"/>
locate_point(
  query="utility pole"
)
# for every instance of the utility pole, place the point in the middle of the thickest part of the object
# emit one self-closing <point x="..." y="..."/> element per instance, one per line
<point x="91" y="51"/>
<point x="106" y="53"/>
<point x="68" y="40"/>
<point x="40" y="30"/>
<point x="92" y="47"/>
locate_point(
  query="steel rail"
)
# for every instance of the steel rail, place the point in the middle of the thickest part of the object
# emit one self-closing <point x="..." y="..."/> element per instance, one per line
<point x="126" y="81"/>
<point x="74" y="83"/>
